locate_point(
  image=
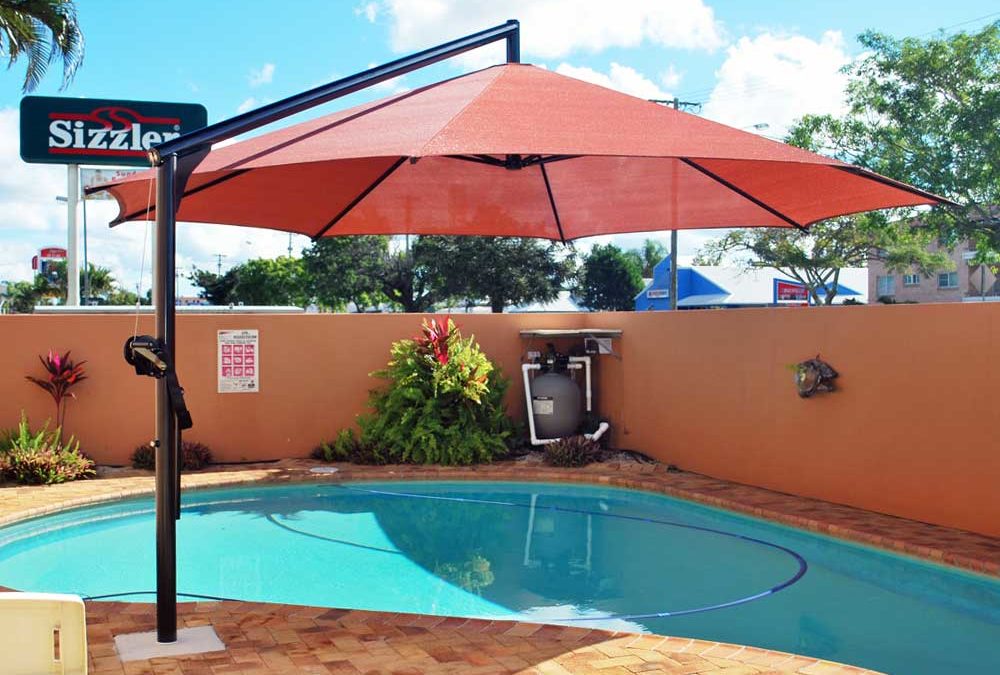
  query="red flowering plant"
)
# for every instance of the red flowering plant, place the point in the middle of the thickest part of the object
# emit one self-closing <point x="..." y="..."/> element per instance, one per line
<point x="63" y="375"/>
<point x="443" y="404"/>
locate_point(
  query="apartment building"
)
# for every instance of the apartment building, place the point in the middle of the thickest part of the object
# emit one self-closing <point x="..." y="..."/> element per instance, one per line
<point x="967" y="282"/>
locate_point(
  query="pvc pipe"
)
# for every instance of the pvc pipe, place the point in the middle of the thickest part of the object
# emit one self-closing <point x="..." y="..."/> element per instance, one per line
<point x="585" y="360"/>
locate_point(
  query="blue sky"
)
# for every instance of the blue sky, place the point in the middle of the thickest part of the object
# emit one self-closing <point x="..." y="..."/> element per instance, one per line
<point x="746" y="62"/>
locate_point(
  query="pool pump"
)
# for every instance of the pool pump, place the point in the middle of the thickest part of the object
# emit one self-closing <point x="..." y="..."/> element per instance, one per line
<point x="554" y="398"/>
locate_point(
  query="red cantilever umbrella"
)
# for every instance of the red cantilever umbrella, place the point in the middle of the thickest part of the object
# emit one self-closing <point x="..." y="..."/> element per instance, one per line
<point x="510" y="150"/>
<point x="516" y="150"/>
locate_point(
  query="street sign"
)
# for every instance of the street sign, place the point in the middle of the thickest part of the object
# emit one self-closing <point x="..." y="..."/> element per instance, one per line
<point x="56" y="130"/>
<point x="790" y="292"/>
<point x="91" y="177"/>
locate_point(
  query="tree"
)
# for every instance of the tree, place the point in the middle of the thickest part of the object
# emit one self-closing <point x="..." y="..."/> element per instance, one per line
<point x="22" y="296"/>
<point x="216" y="288"/>
<point x="609" y="279"/>
<point x="815" y="258"/>
<point x="103" y="288"/>
<point x="41" y="31"/>
<point x="649" y="256"/>
<point x="406" y="277"/>
<point x="502" y="271"/>
<point x="262" y="281"/>
<point x="926" y="112"/>
<point x="348" y="269"/>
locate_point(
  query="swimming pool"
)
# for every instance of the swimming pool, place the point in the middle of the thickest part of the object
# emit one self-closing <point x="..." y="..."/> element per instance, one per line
<point x="589" y="556"/>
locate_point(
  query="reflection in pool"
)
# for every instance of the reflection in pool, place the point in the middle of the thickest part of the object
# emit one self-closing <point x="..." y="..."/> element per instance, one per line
<point x="590" y="556"/>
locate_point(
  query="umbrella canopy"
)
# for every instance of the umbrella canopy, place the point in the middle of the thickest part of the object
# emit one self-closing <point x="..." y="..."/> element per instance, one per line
<point x="516" y="150"/>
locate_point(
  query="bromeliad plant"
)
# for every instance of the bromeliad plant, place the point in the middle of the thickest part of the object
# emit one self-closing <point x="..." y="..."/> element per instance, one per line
<point x="443" y="405"/>
<point x="42" y="458"/>
<point x="63" y="375"/>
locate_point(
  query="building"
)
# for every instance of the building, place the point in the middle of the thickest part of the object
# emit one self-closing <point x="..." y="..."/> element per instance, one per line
<point x="702" y="287"/>
<point x="966" y="283"/>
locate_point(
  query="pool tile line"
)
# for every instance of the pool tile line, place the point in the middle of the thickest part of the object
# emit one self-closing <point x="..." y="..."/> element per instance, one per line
<point x="958" y="548"/>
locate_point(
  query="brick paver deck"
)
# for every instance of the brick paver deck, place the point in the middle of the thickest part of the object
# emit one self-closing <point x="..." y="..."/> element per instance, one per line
<point x="266" y="638"/>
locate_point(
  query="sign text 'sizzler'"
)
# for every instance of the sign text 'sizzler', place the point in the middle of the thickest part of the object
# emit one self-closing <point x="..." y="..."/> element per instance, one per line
<point x="100" y="131"/>
<point x="78" y="134"/>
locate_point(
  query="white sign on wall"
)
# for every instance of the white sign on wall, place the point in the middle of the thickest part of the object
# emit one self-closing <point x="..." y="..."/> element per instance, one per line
<point x="239" y="361"/>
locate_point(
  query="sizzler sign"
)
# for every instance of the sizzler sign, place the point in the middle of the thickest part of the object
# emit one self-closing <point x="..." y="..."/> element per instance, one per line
<point x="99" y="131"/>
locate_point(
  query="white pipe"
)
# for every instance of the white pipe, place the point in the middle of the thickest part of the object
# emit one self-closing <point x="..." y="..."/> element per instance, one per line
<point x="601" y="428"/>
<point x="585" y="360"/>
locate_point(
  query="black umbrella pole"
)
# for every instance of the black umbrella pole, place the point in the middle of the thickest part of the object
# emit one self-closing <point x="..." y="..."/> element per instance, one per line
<point x="166" y="424"/>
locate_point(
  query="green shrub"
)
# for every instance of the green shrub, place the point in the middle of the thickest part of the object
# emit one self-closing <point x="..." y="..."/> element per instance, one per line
<point x="572" y="451"/>
<point x="7" y="437"/>
<point x="42" y="458"/>
<point x="347" y="448"/>
<point x="195" y="456"/>
<point x="443" y="404"/>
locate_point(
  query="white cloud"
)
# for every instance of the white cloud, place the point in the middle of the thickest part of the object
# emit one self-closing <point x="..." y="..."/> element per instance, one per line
<point x="670" y="78"/>
<point x="263" y="75"/>
<point x="622" y="78"/>
<point x="30" y="218"/>
<point x="394" y="85"/>
<point x="369" y="10"/>
<point x="775" y="80"/>
<point x="552" y="29"/>
<point x="248" y="104"/>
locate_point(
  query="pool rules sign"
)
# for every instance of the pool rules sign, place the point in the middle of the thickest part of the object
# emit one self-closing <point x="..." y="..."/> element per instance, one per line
<point x="239" y="361"/>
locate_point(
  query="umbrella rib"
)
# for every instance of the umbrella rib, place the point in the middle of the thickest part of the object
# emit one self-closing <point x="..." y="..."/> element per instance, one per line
<point x="743" y="193"/>
<point x="552" y="202"/>
<point x="357" y="200"/>
<point x="188" y="193"/>
<point x="878" y="178"/>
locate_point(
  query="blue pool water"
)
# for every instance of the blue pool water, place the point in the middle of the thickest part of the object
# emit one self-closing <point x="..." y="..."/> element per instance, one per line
<point x="597" y="557"/>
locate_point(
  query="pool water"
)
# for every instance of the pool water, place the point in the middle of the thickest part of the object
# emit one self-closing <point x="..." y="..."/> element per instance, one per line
<point x="587" y="556"/>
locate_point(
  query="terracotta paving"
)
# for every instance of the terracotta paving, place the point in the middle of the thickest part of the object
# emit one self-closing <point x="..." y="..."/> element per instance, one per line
<point x="266" y="638"/>
<point x="263" y="638"/>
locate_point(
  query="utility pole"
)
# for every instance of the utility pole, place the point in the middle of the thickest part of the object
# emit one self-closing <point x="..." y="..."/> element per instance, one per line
<point x="218" y="263"/>
<point x="289" y="244"/>
<point x="676" y="104"/>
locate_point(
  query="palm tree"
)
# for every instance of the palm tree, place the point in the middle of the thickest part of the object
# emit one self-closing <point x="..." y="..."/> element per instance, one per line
<point x="41" y="30"/>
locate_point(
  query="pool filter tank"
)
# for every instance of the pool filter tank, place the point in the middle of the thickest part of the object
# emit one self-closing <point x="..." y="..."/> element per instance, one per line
<point x="555" y="402"/>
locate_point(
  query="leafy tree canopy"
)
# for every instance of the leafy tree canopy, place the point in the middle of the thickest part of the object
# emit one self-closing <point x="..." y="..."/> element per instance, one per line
<point x="815" y="258"/>
<point x="503" y="271"/>
<point x="649" y="256"/>
<point x="347" y="269"/>
<point x="40" y="31"/>
<point x="926" y="112"/>
<point x="609" y="279"/>
<point x="262" y="281"/>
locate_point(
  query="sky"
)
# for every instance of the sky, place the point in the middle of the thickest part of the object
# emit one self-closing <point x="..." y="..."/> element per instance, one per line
<point x="745" y="63"/>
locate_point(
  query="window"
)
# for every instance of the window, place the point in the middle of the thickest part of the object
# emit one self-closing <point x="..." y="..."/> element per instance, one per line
<point x="948" y="280"/>
<point x="911" y="279"/>
<point x="885" y="286"/>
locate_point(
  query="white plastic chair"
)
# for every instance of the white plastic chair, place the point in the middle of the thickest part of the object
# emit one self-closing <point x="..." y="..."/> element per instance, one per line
<point x="42" y="634"/>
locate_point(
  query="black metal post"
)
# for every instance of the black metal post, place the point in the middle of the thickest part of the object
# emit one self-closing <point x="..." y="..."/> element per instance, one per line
<point x="174" y="162"/>
<point x="514" y="41"/>
<point x="166" y="424"/>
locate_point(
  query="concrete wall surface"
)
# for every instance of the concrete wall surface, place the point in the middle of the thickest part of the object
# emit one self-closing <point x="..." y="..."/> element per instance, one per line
<point x="910" y="431"/>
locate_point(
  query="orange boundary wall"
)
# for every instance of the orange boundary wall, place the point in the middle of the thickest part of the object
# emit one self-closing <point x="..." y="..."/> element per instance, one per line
<point x="911" y="431"/>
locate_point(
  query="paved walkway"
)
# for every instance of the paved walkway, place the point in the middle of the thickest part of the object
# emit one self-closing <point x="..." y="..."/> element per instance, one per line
<point x="265" y="638"/>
